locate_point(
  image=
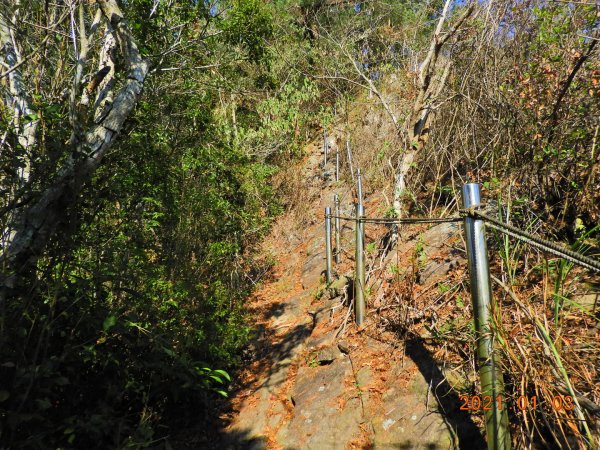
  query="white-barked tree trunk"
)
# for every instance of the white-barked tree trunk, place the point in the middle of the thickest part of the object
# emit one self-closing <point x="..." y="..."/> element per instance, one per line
<point x="99" y="104"/>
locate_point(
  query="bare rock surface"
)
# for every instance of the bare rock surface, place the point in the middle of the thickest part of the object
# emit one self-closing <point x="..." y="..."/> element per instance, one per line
<point x="309" y="389"/>
<point x="322" y="419"/>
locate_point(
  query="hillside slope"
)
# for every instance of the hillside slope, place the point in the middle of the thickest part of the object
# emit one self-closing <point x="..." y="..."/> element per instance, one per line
<point x="315" y="380"/>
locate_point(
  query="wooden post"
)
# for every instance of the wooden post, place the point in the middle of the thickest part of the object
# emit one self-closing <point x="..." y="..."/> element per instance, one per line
<point x="492" y="386"/>
<point x="359" y="274"/>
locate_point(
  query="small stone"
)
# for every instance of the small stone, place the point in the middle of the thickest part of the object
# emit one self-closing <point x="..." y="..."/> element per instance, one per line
<point x="387" y="424"/>
<point x="364" y="376"/>
<point x="344" y="348"/>
<point x="327" y="355"/>
<point x="588" y="301"/>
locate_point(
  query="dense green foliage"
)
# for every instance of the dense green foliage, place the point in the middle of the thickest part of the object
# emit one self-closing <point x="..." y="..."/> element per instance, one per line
<point x="132" y="318"/>
<point x="137" y="307"/>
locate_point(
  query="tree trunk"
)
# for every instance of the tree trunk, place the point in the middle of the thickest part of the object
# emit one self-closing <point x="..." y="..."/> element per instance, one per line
<point x="35" y="224"/>
<point x="430" y="87"/>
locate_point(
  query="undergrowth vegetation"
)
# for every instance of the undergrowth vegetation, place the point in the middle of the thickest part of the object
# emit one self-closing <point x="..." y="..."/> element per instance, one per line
<point x="518" y="113"/>
<point x="128" y="325"/>
<point x="128" y="321"/>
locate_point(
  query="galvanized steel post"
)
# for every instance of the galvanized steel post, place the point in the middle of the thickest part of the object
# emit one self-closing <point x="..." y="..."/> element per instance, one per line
<point x="325" y="147"/>
<point x="349" y="154"/>
<point x="359" y="186"/>
<point x="337" y="164"/>
<point x="496" y="418"/>
<point x="359" y="274"/>
<point x="338" y="230"/>
<point x="328" y="243"/>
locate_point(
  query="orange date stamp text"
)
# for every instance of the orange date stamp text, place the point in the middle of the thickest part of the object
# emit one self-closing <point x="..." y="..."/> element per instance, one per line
<point x="523" y="403"/>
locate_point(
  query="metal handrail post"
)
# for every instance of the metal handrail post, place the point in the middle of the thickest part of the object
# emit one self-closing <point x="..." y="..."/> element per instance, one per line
<point x="338" y="230"/>
<point x="325" y="147"/>
<point x="496" y="419"/>
<point x="349" y="156"/>
<point x="359" y="191"/>
<point x="359" y="275"/>
<point x="328" y="243"/>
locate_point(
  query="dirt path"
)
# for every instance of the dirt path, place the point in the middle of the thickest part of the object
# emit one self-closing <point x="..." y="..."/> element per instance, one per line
<point x="305" y="389"/>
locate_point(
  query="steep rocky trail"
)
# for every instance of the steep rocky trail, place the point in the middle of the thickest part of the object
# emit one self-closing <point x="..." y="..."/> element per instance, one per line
<point x="315" y="381"/>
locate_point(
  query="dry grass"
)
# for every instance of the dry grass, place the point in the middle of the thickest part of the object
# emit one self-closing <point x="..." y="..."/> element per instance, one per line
<point x="543" y="349"/>
<point x="542" y="356"/>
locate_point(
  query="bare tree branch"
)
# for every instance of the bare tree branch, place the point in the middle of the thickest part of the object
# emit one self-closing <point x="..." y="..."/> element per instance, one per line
<point x="429" y="89"/>
<point x="24" y="122"/>
<point x="39" y="221"/>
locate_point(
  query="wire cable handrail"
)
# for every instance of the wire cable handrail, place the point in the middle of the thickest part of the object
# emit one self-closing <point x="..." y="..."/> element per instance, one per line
<point x="534" y="241"/>
<point x="474" y="223"/>
<point x="407" y="220"/>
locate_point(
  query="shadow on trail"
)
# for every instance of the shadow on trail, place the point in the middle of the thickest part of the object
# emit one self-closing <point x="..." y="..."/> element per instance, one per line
<point x="469" y="436"/>
<point x="279" y="355"/>
<point x="269" y="354"/>
<point x="409" y="445"/>
<point x="239" y="440"/>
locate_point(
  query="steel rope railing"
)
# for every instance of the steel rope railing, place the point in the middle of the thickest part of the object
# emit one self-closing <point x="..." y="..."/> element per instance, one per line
<point x="407" y="220"/>
<point x="496" y="420"/>
<point x="534" y="241"/>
